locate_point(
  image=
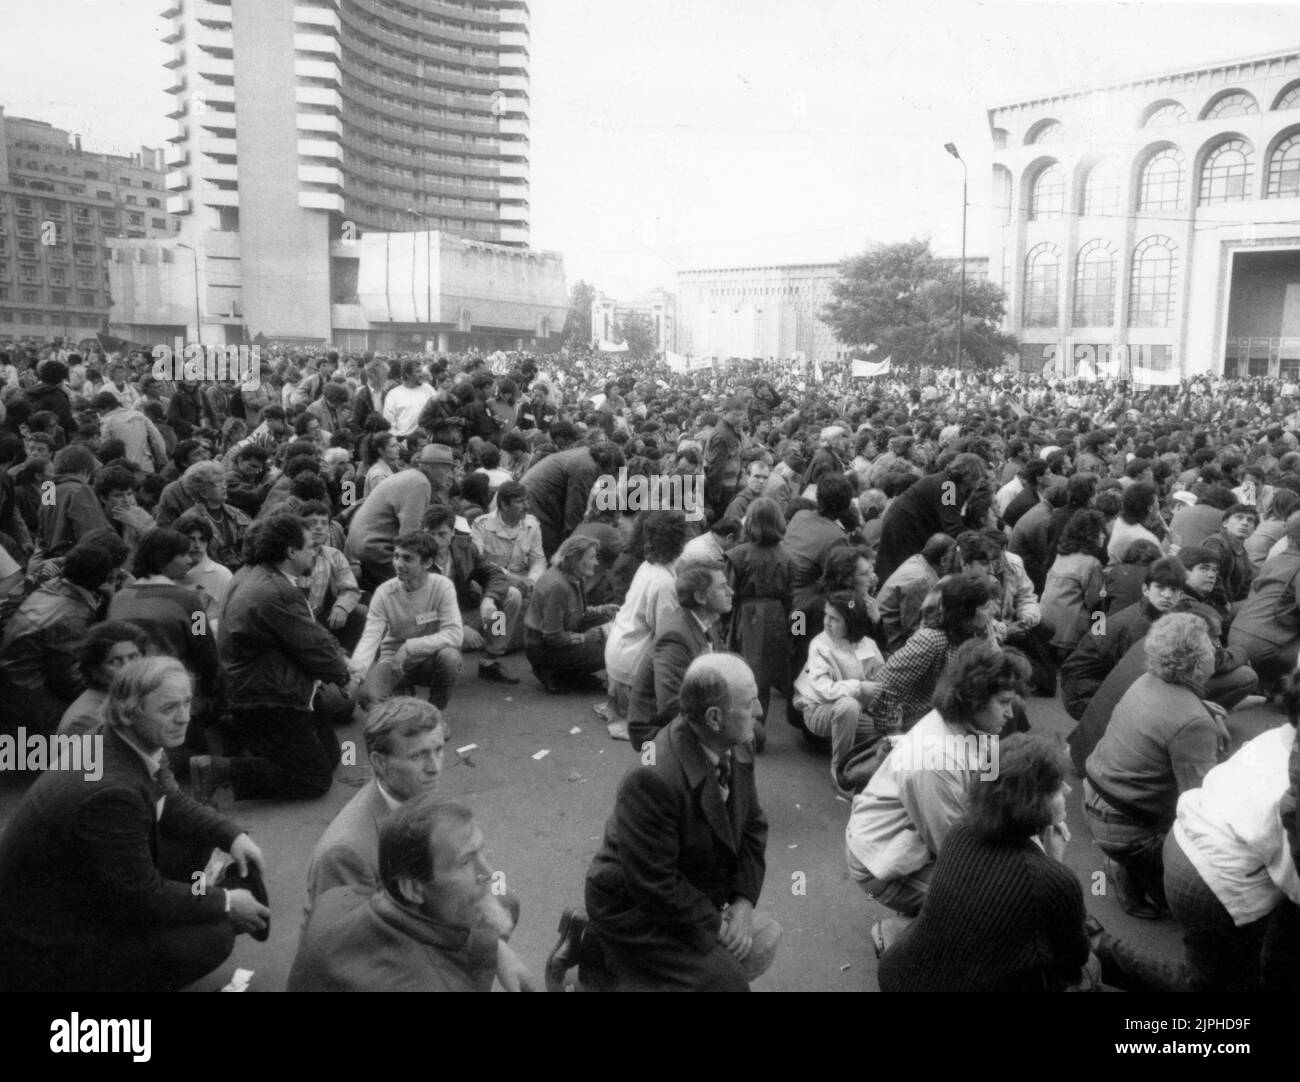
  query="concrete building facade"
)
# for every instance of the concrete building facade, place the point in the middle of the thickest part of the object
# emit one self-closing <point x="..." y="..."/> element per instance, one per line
<point x="659" y="306"/>
<point x="1154" y="223"/>
<point x="59" y="207"/>
<point x="306" y="125"/>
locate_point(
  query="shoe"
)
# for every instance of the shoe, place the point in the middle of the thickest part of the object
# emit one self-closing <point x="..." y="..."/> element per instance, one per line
<point x="566" y="953"/>
<point x="208" y="773"/>
<point x="601" y="710"/>
<point x="493" y="673"/>
<point x="877" y="939"/>
<point x="618" y="730"/>
<point x="550" y="685"/>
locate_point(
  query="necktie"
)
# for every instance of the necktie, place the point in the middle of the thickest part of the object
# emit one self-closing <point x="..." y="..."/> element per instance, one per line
<point x="723" y="772"/>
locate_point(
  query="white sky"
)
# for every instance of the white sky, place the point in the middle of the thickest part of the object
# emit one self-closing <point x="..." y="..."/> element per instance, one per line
<point x="706" y="132"/>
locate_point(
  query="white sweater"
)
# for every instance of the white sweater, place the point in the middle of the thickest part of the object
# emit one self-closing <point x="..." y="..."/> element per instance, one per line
<point x="651" y="599"/>
<point x="1231" y="828"/>
<point x="833" y="672"/>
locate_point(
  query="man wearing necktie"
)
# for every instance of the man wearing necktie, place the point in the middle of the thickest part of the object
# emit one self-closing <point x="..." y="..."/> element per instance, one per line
<point x="672" y="891"/>
<point x="101" y="878"/>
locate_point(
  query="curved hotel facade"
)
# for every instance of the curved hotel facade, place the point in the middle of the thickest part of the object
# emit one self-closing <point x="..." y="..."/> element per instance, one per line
<point x="307" y="129"/>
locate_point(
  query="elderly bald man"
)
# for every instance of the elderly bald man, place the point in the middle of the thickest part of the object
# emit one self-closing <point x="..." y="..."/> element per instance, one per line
<point x="672" y="892"/>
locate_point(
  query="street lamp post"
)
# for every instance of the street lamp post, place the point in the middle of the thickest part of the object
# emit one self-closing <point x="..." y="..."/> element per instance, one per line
<point x="198" y="312"/>
<point x="428" y="265"/>
<point x="951" y="148"/>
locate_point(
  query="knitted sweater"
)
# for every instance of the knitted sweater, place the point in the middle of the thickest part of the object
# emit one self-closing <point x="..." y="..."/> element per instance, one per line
<point x="998" y="918"/>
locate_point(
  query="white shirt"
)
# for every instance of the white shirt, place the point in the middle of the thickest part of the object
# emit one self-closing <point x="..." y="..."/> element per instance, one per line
<point x="403" y="406"/>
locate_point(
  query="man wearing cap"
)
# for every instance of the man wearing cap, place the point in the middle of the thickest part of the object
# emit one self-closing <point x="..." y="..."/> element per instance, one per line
<point x="511" y="538"/>
<point x="395" y="508"/>
<point x="722" y="458"/>
<point x="1236" y="572"/>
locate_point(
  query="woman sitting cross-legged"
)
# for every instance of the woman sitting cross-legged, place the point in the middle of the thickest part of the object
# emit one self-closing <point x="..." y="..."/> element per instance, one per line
<point x="900" y="822"/>
<point x="1003" y="913"/>
<point x="835" y="687"/>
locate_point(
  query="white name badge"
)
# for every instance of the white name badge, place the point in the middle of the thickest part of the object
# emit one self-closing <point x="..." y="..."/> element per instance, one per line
<point x="426" y="618"/>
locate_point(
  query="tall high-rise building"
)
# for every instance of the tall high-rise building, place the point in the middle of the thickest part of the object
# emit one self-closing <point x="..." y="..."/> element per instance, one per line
<point x="59" y="205"/>
<point x="305" y="125"/>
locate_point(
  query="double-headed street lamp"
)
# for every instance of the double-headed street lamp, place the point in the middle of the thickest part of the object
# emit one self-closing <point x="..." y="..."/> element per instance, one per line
<point x="198" y="312"/>
<point x="951" y="148"/>
<point x="428" y="265"/>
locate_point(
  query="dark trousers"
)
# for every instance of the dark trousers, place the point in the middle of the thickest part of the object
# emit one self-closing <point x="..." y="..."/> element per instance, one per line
<point x="1036" y="643"/>
<point x="286" y="754"/>
<point x="350" y="633"/>
<point x="148" y="958"/>
<point x="673" y="970"/>
<point x="564" y="662"/>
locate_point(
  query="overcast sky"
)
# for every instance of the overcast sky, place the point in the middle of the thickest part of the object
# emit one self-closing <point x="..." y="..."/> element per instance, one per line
<point x="710" y="132"/>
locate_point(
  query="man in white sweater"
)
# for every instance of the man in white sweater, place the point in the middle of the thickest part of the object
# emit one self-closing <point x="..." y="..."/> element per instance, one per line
<point x="414" y="625"/>
<point x="403" y="405"/>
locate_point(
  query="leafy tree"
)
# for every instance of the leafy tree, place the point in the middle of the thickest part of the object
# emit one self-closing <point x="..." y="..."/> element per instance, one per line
<point x="904" y="300"/>
<point x="638" y="330"/>
<point x="577" y="324"/>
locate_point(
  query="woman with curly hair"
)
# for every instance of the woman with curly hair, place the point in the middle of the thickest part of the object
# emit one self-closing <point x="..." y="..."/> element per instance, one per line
<point x="1161" y="741"/>
<point x="1075" y="581"/>
<point x="651" y="598"/>
<point x="901" y="820"/>
<point x="1002" y="912"/>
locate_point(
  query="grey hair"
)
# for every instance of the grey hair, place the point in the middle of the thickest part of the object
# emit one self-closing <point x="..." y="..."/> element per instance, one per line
<point x="1178" y="649"/>
<point x="400" y="716"/>
<point x="136" y="681"/>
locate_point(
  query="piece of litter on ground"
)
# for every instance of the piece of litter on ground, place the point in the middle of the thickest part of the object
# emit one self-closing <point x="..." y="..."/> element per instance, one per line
<point x="542" y="754"/>
<point x="843" y="798"/>
<point x="792" y="846"/>
<point x="797" y="807"/>
<point x="845" y="966"/>
<point x="574" y="776"/>
<point x="467" y="747"/>
<point x="574" y="731"/>
<point x="239" y="982"/>
<point x="510" y="698"/>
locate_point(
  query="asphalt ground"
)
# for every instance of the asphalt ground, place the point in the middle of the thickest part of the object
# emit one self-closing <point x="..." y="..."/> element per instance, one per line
<point x="543" y="819"/>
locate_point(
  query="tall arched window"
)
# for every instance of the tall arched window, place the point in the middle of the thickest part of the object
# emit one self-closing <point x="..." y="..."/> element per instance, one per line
<point x="1094" y="285"/>
<point x="1237" y="103"/>
<point x="1101" y="191"/>
<point x="1151" y="293"/>
<point x="1226" y="174"/>
<point x="1161" y="185"/>
<point x="1166" y="115"/>
<point x="1284" y="170"/>
<point x="1042" y="286"/>
<point x="1047" y="196"/>
<point x="1290" y="99"/>
<point x="1046" y="131"/>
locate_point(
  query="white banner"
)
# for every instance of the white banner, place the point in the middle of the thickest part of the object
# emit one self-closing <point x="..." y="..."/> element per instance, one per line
<point x="611" y="347"/>
<point x="865" y="369"/>
<point x="698" y="364"/>
<point x="817" y="371"/>
<point x="676" y="362"/>
<point x="1156" y="377"/>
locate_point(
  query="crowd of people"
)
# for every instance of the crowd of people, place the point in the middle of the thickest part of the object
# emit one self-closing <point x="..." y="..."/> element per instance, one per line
<point x="214" y="578"/>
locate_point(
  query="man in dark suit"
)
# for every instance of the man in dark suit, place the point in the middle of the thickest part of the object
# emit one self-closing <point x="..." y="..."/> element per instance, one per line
<point x="933" y="505"/>
<point x="672" y="891"/>
<point x="101" y="886"/>
<point x="705" y="596"/>
<point x="560" y="484"/>
<point x="404" y="740"/>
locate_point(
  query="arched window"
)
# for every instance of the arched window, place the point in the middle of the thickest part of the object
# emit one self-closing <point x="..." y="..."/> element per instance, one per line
<point x="1042" y="286"/>
<point x="1101" y="194"/>
<point x="1284" y="170"/>
<point x="1045" y="131"/>
<point x="1164" y="116"/>
<point x="1161" y="184"/>
<point x="1290" y="99"/>
<point x="1236" y="103"/>
<point x="1047" y="196"/>
<point x="1094" y="285"/>
<point x="1226" y="174"/>
<point x="1151" y="293"/>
